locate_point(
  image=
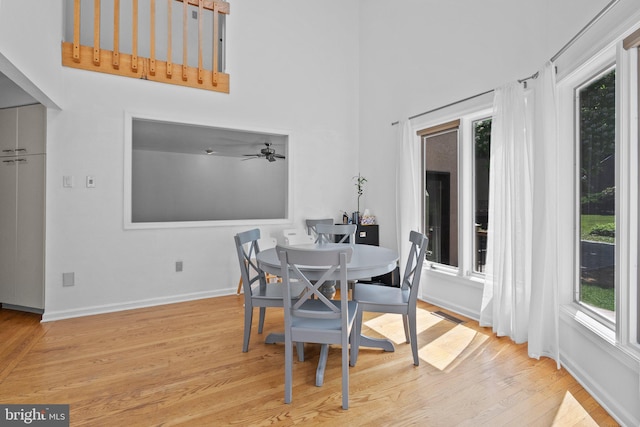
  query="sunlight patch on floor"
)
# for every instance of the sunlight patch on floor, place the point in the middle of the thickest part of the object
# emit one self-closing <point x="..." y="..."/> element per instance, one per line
<point x="390" y="325"/>
<point x="452" y="347"/>
<point x="571" y="413"/>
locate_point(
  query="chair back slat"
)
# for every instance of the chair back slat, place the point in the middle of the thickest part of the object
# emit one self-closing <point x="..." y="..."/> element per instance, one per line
<point x="248" y="248"/>
<point x="330" y="261"/>
<point x="312" y="224"/>
<point x="413" y="269"/>
<point x="327" y="233"/>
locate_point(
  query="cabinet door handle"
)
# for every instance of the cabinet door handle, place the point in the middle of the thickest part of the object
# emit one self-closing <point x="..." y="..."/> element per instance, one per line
<point x="8" y="161"/>
<point x="21" y="150"/>
<point x="8" y="150"/>
<point x="21" y="160"/>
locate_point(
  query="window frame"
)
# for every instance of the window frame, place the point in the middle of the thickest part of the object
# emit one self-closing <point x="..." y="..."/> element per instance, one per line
<point x="624" y="334"/>
<point x="592" y="74"/>
<point x="466" y="185"/>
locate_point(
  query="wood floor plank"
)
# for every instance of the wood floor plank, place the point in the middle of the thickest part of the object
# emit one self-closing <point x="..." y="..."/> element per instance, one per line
<point x="182" y="364"/>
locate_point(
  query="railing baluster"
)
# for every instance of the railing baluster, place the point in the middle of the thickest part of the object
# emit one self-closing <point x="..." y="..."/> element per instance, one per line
<point x="216" y="37"/>
<point x="152" y="53"/>
<point x="134" y="41"/>
<point x="115" y="58"/>
<point x="76" y="30"/>
<point x="95" y="57"/>
<point x="96" y="32"/>
<point x="169" y="40"/>
<point x="185" y="5"/>
<point x="200" y="19"/>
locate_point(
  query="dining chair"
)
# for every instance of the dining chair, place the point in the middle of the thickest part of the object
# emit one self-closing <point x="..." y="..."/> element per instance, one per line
<point x="318" y="320"/>
<point x="311" y="226"/>
<point x="328" y="233"/>
<point x="402" y="300"/>
<point x="264" y="243"/>
<point x="295" y="236"/>
<point x="256" y="291"/>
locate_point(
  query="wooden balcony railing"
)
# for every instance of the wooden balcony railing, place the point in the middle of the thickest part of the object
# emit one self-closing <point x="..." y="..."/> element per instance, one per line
<point x="160" y="68"/>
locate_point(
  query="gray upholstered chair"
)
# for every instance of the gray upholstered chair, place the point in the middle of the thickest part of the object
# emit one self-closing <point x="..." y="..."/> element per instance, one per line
<point x="312" y="223"/>
<point x="327" y="233"/>
<point x="317" y="320"/>
<point x="402" y="300"/>
<point x="257" y="293"/>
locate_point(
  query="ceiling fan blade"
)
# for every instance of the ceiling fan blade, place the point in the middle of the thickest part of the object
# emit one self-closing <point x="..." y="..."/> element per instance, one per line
<point x="280" y="156"/>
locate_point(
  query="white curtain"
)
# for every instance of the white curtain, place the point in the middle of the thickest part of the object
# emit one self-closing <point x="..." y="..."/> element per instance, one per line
<point x="407" y="188"/>
<point x="507" y="289"/>
<point x="520" y="301"/>
<point x="543" y="317"/>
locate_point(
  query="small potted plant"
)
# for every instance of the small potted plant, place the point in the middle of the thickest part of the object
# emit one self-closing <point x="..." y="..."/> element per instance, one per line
<point x="360" y="181"/>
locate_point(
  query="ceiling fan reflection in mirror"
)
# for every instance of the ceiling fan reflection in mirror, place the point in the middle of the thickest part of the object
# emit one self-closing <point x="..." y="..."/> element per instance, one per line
<point x="267" y="153"/>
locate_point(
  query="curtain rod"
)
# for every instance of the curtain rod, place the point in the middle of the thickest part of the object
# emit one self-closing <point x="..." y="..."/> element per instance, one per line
<point x="535" y="75"/>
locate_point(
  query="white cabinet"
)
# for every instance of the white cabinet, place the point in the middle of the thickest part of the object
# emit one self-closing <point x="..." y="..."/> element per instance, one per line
<point x="22" y="206"/>
<point x="23" y="130"/>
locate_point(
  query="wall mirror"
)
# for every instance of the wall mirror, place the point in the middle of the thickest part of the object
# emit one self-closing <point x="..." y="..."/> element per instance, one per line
<point x="185" y="174"/>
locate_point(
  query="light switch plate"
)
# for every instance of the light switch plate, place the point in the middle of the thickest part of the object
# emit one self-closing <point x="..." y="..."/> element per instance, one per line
<point x="67" y="181"/>
<point x="91" y="181"/>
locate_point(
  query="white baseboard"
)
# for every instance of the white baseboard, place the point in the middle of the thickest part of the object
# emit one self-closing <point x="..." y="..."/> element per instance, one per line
<point x="608" y="402"/>
<point x="464" y="311"/>
<point x="50" y="315"/>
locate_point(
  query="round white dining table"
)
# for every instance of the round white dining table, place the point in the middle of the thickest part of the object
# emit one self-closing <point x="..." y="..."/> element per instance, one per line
<point x="366" y="261"/>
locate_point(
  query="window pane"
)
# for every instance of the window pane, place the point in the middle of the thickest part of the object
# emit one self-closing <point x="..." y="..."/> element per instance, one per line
<point x="482" y="144"/>
<point x="596" y="121"/>
<point x="441" y="197"/>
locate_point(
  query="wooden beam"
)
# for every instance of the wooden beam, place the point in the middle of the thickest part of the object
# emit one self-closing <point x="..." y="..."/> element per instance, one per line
<point x="126" y="69"/>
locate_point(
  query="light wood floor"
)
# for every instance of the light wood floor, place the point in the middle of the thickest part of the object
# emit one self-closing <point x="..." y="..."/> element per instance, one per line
<point x="182" y="364"/>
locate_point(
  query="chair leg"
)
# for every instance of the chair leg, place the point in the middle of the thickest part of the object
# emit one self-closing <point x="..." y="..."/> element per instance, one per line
<point x="288" y="370"/>
<point x="405" y="320"/>
<point x="263" y="311"/>
<point x="414" y="337"/>
<point x="239" y="286"/>
<point x="248" y="318"/>
<point x="345" y="374"/>
<point x="300" y="351"/>
<point x="355" y="337"/>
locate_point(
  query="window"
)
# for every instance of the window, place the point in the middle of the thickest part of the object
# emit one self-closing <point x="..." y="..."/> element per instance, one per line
<point x="482" y="151"/>
<point x="455" y="159"/>
<point x="440" y="147"/>
<point x="596" y="134"/>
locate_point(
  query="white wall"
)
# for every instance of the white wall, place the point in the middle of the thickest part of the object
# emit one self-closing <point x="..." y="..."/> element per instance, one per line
<point x="287" y="72"/>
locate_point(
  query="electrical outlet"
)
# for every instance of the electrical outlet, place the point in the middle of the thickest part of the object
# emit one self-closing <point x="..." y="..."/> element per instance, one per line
<point x="178" y="266"/>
